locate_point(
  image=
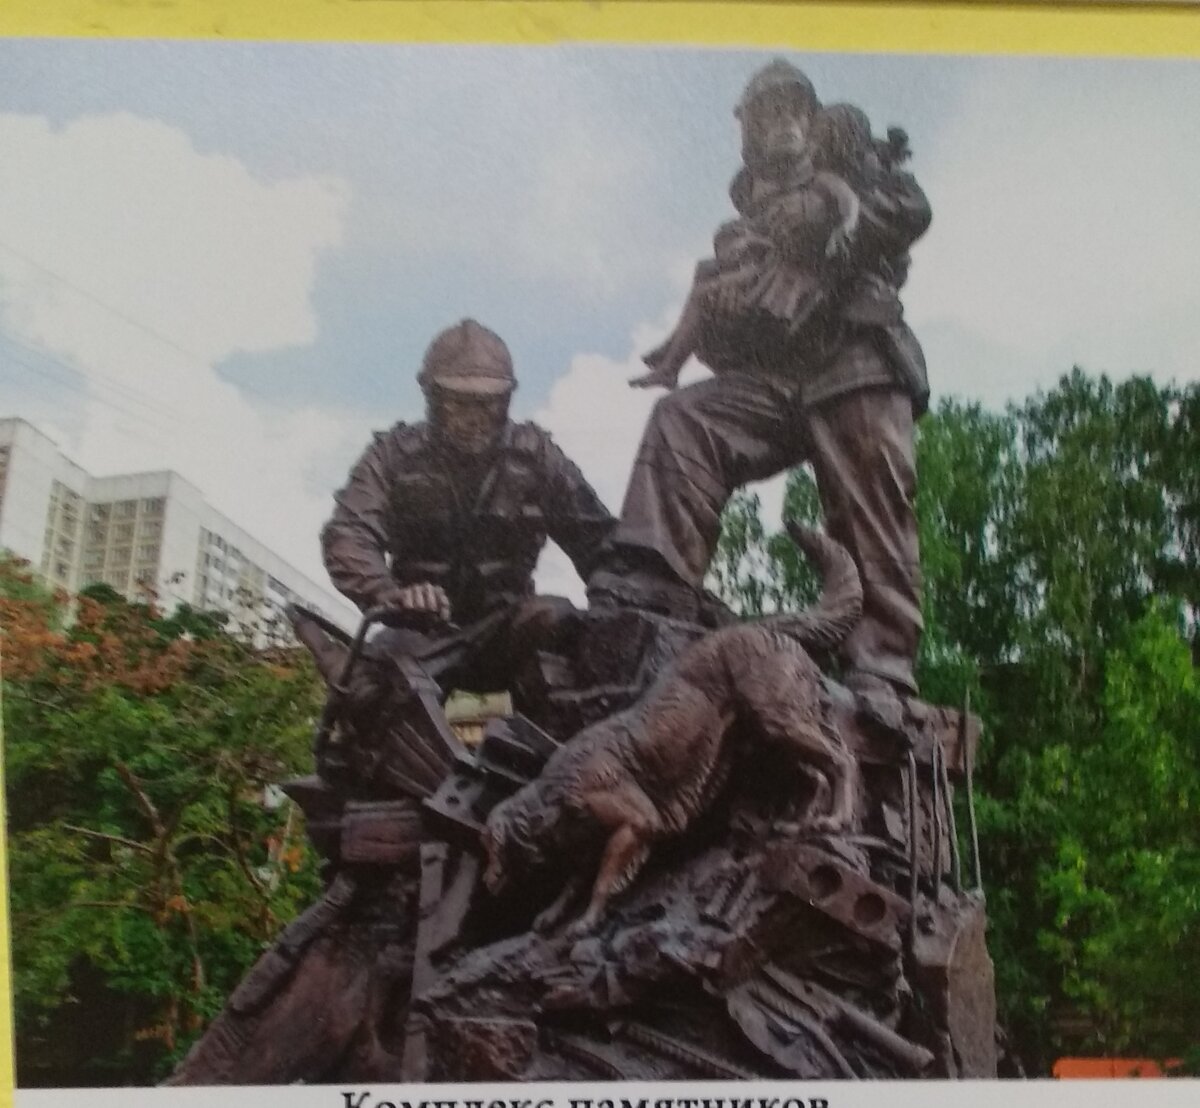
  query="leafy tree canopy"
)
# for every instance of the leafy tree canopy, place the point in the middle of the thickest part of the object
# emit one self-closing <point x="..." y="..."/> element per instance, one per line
<point x="149" y="859"/>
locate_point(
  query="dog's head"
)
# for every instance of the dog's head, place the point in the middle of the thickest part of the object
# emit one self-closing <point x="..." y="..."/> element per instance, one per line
<point x="495" y="850"/>
<point x="517" y="837"/>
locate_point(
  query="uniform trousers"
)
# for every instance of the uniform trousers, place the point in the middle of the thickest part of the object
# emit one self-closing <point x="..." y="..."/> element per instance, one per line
<point x="704" y="441"/>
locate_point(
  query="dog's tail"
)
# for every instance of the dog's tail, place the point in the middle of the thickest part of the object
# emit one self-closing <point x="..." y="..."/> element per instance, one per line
<point x="825" y="624"/>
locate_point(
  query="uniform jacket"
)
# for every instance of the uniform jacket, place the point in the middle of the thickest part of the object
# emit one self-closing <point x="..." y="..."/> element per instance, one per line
<point x="404" y="517"/>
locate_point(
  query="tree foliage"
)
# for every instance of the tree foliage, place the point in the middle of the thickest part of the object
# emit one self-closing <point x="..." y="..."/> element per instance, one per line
<point x="1060" y="544"/>
<point x="149" y="862"/>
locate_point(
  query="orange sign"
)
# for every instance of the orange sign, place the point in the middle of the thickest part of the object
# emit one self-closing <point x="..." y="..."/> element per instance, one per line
<point x="1112" y="1067"/>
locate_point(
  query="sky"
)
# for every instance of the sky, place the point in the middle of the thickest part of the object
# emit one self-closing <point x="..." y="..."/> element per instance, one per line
<point x="227" y="259"/>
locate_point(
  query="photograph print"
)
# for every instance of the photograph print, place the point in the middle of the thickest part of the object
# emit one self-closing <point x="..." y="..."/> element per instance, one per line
<point x="589" y="563"/>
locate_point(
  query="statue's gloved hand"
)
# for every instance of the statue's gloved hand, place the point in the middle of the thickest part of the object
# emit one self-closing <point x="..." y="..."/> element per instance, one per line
<point x="421" y="597"/>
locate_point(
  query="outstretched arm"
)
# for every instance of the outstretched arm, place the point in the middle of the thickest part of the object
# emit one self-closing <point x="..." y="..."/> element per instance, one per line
<point x="576" y="518"/>
<point x="354" y="541"/>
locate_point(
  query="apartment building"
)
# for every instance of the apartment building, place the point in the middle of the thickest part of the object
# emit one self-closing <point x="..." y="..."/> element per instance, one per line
<point x="140" y="533"/>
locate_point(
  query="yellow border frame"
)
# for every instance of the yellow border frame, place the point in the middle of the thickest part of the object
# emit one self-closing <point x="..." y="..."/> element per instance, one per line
<point x="968" y="26"/>
<point x="1169" y="29"/>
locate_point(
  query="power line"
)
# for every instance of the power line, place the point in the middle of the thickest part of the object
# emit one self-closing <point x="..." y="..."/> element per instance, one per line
<point x="156" y="414"/>
<point x="125" y="317"/>
<point x="41" y="373"/>
<point x="117" y="387"/>
<point x="91" y="296"/>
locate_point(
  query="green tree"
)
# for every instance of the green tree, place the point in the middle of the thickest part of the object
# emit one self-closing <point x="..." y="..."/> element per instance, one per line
<point x="149" y="859"/>
<point x="1125" y="881"/>
<point x="756" y="572"/>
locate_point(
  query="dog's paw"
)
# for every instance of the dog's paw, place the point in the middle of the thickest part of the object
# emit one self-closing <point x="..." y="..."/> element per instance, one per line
<point x="547" y="921"/>
<point x="831" y="824"/>
<point x="582" y="927"/>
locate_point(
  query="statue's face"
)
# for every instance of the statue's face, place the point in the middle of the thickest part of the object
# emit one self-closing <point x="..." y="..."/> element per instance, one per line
<point x="468" y="423"/>
<point x="774" y="131"/>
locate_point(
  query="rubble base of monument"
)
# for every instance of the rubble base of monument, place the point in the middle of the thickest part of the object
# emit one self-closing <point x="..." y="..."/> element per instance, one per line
<point x="749" y="947"/>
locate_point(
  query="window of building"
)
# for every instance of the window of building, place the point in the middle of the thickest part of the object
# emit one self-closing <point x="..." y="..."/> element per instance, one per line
<point x="125" y="509"/>
<point x="148" y="552"/>
<point x="154" y="506"/>
<point x="121" y="555"/>
<point x="123" y="532"/>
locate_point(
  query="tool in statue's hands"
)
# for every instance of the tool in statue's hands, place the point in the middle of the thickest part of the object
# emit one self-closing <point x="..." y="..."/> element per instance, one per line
<point x="423" y="607"/>
<point x="409" y="619"/>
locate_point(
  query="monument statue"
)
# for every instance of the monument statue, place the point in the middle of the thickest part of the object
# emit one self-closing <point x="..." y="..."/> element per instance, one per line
<point x="698" y="847"/>
<point x="799" y="317"/>
<point x="447" y="518"/>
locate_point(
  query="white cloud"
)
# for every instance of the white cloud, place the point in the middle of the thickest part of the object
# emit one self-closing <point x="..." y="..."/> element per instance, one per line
<point x="597" y="419"/>
<point x="139" y="263"/>
<point x="188" y="245"/>
<point x="525" y="172"/>
<point x="578" y="226"/>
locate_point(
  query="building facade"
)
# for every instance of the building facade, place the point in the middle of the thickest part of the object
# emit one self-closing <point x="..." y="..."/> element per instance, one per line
<point x="142" y="534"/>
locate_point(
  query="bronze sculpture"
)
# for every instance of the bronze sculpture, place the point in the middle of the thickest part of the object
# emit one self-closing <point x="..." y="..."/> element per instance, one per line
<point x="833" y="376"/>
<point x="803" y="911"/>
<point x="446" y="518"/>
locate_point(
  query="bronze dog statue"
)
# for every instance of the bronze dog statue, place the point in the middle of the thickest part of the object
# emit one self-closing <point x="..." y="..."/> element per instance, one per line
<point x="648" y="772"/>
